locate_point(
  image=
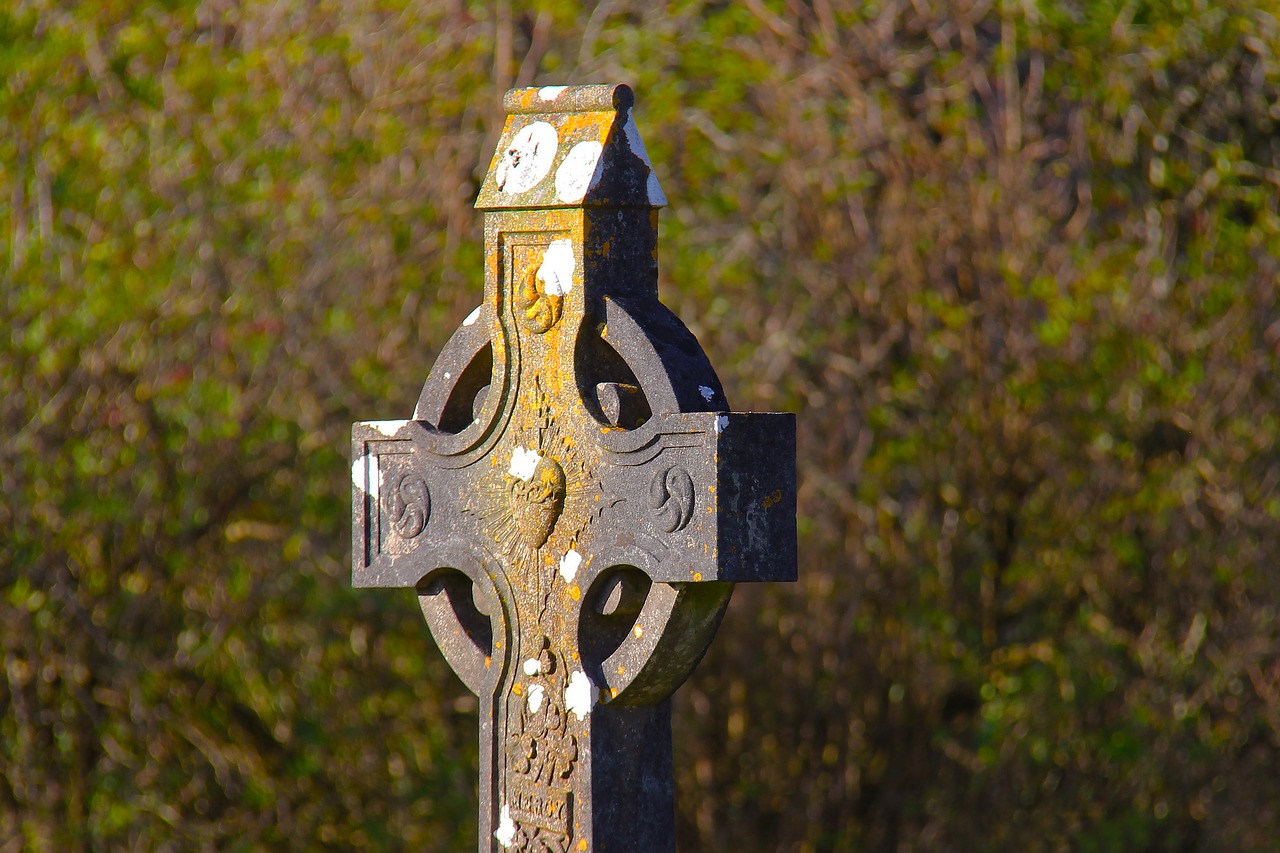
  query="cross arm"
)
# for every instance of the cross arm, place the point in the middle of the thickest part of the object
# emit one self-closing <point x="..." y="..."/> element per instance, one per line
<point x="408" y="530"/>
<point x="697" y="503"/>
<point x="406" y="512"/>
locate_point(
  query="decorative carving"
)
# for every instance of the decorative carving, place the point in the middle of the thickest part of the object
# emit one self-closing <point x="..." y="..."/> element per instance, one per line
<point x="541" y="754"/>
<point x="535" y="504"/>
<point x="547" y="489"/>
<point x="538" y="310"/>
<point x="544" y="752"/>
<point x="408" y="506"/>
<point x="671" y="498"/>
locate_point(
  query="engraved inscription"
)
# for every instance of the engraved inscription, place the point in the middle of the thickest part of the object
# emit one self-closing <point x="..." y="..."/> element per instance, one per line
<point x="541" y="807"/>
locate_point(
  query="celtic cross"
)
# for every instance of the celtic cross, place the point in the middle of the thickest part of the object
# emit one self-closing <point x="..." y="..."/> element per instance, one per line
<point x="573" y="500"/>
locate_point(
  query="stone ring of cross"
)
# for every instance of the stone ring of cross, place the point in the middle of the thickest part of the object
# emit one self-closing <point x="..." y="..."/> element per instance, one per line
<point x="572" y="500"/>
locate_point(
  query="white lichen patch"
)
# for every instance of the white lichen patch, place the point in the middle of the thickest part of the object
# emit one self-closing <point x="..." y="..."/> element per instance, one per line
<point x="473" y="316"/>
<point x="657" y="197"/>
<point x="528" y="159"/>
<point x="722" y="424"/>
<point x="360" y="472"/>
<point x="569" y="565"/>
<point x="581" y="171"/>
<point x="532" y="666"/>
<point x="581" y="695"/>
<point x="506" y="832"/>
<point x="653" y="188"/>
<point x="556" y="272"/>
<point x="707" y="393"/>
<point x="635" y="142"/>
<point x="550" y="93"/>
<point x="388" y="428"/>
<point x="536" y="694"/>
<point x="523" y="463"/>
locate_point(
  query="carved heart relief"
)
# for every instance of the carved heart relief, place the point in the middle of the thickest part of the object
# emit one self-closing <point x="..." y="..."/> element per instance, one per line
<point x="536" y="502"/>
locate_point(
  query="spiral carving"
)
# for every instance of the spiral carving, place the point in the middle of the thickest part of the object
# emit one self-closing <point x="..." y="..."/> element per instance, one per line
<point x="671" y="498"/>
<point x="409" y="506"/>
<point x="537" y="310"/>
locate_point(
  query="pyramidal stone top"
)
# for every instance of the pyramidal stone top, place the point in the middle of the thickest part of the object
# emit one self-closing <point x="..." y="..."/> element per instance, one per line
<point x="570" y="146"/>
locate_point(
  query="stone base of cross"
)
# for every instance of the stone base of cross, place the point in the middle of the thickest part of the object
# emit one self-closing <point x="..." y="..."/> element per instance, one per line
<point x="573" y="500"/>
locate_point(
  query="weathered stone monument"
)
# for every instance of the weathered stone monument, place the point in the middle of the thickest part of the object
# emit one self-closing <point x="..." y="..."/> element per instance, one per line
<point x="573" y="499"/>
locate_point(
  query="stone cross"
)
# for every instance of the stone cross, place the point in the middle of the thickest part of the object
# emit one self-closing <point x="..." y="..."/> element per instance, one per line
<point x="573" y="500"/>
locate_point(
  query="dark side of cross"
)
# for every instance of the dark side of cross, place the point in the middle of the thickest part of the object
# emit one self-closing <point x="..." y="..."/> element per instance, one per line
<point x="573" y="500"/>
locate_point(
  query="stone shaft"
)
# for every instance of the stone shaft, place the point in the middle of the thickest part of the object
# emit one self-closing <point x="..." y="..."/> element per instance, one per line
<point x="573" y="499"/>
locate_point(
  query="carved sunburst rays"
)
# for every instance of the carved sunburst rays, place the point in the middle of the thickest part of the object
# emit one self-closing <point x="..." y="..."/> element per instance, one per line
<point x="543" y="500"/>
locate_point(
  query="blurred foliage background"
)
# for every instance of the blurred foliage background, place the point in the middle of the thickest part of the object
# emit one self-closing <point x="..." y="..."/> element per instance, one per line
<point x="1014" y="265"/>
